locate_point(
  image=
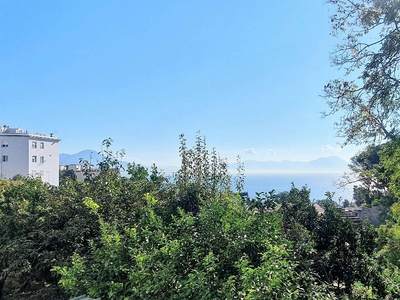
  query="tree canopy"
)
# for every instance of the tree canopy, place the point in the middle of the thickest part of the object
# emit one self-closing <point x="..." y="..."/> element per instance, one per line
<point x="147" y="236"/>
<point x="367" y="101"/>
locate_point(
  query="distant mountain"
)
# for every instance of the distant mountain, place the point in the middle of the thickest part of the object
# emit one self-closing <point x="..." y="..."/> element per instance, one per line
<point x="90" y="155"/>
<point x="331" y="164"/>
<point x="94" y="157"/>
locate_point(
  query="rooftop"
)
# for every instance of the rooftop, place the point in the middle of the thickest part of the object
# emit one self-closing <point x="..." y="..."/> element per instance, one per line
<point x="7" y="130"/>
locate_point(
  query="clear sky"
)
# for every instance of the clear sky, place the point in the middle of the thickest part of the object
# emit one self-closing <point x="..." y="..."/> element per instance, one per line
<point x="247" y="74"/>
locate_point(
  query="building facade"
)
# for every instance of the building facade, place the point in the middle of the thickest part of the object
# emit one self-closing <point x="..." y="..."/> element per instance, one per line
<point x="29" y="154"/>
<point x="78" y="171"/>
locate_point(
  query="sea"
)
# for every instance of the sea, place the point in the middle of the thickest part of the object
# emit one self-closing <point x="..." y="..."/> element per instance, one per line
<point x="318" y="184"/>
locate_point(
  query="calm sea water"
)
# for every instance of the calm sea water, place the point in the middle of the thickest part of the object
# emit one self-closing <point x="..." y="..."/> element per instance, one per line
<point x="318" y="183"/>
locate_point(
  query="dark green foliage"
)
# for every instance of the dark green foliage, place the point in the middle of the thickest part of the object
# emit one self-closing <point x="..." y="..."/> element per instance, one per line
<point x="371" y="177"/>
<point x="202" y="175"/>
<point x="298" y="209"/>
<point x="146" y="237"/>
<point x="368" y="105"/>
<point x="262" y="202"/>
<point x="390" y="164"/>
<point x="366" y="164"/>
<point x="389" y="237"/>
<point x="339" y="252"/>
<point x="137" y="172"/>
<point x="376" y="171"/>
<point x="18" y="177"/>
<point x="67" y="175"/>
<point x="39" y="227"/>
<point x="344" y="251"/>
<point x="120" y="198"/>
<point x="225" y="252"/>
<point x="346" y="203"/>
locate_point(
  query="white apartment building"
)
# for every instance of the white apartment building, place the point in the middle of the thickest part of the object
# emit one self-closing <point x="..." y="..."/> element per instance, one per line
<point x="29" y="154"/>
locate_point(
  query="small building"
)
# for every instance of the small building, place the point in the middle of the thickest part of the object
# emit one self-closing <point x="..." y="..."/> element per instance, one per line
<point x="79" y="171"/>
<point x="375" y="214"/>
<point x="29" y="154"/>
<point x="73" y="167"/>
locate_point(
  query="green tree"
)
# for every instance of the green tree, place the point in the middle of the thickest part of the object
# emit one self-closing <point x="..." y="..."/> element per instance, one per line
<point x="67" y="175"/>
<point x="368" y="101"/>
<point x="18" y="177"/>
<point x="298" y="209"/>
<point x="339" y="252"/>
<point x="137" y="171"/>
<point x="225" y="252"/>
<point x="390" y="162"/>
<point x="368" y="174"/>
<point x="389" y="236"/>
<point x="376" y="172"/>
<point x="345" y="252"/>
<point x="203" y="175"/>
<point x="40" y="226"/>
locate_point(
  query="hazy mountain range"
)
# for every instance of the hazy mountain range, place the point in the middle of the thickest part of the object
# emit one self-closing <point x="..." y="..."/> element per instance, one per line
<point x="90" y="155"/>
<point x="330" y="164"/>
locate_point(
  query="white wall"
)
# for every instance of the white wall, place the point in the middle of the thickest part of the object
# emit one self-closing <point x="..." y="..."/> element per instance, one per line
<point x="20" y="153"/>
<point x="17" y="152"/>
<point x="48" y="170"/>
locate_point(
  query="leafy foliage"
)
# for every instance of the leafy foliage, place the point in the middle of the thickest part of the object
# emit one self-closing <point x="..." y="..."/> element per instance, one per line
<point x="390" y="161"/>
<point x="67" y="175"/>
<point x="337" y="251"/>
<point x="39" y="226"/>
<point x="147" y="237"/>
<point x="372" y="187"/>
<point x="203" y="175"/>
<point x="224" y="252"/>
<point x="377" y="174"/>
<point x="368" y="102"/>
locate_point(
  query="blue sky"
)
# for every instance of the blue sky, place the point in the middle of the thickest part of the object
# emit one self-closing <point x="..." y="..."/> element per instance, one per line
<point x="247" y="74"/>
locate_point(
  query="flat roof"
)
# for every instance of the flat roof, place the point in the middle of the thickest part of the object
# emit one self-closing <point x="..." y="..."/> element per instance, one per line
<point x="19" y="132"/>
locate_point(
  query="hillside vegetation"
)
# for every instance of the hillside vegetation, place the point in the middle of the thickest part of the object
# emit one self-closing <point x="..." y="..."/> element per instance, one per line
<point x="147" y="236"/>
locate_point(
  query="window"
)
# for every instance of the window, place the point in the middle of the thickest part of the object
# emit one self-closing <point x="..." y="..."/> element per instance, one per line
<point x="42" y="159"/>
<point x="41" y="145"/>
<point x="4" y="158"/>
<point x="34" y="158"/>
<point x="5" y="144"/>
<point x="34" y="145"/>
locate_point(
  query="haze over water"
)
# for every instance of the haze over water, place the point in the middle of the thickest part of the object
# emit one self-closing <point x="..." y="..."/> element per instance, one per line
<point x="318" y="183"/>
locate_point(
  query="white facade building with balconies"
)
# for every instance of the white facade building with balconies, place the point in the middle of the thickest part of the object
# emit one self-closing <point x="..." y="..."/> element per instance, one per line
<point x="29" y="154"/>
